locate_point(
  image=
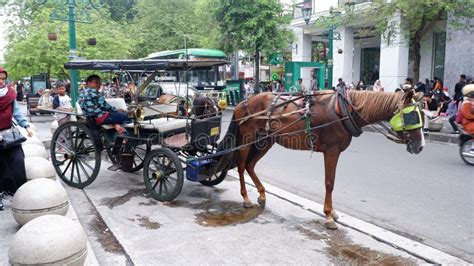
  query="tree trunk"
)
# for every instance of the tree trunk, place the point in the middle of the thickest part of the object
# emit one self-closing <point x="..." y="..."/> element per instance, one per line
<point x="416" y="58"/>
<point x="257" y="68"/>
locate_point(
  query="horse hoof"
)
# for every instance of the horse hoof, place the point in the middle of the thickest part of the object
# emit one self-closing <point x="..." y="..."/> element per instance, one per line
<point x="331" y="225"/>
<point x="262" y="202"/>
<point x="335" y="216"/>
<point x="248" y="204"/>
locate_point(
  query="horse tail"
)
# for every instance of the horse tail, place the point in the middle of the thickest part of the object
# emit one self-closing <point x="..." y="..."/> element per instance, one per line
<point x="230" y="141"/>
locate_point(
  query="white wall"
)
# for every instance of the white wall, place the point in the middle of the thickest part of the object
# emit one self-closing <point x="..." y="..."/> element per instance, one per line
<point x="393" y="60"/>
<point x="302" y="46"/>
<point x="320" y="6"/>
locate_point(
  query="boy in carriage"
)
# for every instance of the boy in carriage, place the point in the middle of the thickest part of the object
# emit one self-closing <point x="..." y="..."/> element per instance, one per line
<point x="94" y="104"/>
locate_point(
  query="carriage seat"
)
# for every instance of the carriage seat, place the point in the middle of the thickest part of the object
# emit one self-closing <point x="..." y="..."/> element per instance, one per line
<point x="162" y="125"/>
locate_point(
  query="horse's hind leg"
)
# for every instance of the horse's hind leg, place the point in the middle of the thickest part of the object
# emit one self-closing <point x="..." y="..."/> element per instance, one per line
<point x="260" y="152"/>
<point x="241" y="168"/>
<point x="330" y="162"/>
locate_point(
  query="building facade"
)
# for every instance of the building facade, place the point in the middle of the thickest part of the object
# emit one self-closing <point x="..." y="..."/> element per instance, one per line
<point x="360" y="54"/>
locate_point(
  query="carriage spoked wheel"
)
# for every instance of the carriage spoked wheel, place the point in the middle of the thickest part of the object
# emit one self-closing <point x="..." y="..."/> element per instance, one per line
<point x="163" y="174"/>
<point x="137" y="151"/>
<point x="75" y="155"/>
<point x="467" y="154"/>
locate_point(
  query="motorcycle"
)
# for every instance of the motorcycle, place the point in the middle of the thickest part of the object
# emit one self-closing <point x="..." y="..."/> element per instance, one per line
<point x="466" y="146"/>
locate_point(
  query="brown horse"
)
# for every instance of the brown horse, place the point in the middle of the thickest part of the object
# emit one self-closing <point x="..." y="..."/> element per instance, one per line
<point x="201" y="107"/>
<point x="285" y="124"/>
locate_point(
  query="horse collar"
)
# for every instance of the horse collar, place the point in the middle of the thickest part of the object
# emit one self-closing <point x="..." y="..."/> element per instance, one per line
<point x="345" y="108"/>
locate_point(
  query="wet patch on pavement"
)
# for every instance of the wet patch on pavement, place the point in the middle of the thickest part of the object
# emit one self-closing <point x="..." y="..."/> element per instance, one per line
<point x="219" y="213"/>
<point x="149" y="203"/>
<point x="227" y="213"/>
<point x="144" y="221"/>
<point x="104" y="236"/>
<point x="113" y="202"/>
<point x="342" y="250"/>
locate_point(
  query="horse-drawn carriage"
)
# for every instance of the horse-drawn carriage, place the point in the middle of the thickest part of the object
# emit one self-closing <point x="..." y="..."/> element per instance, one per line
<point x="163" y="143"/>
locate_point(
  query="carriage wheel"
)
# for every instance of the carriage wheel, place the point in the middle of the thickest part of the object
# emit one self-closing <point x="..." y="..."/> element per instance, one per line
<point x="163" y="174"/>
<point x="466" y="154"/>
<point x="139" y="154"/>
<point x="214" y="179"/>
<point x="75" y="155"/>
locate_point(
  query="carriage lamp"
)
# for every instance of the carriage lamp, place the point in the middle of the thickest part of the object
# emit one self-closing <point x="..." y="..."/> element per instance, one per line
<point x="306" y="9"/>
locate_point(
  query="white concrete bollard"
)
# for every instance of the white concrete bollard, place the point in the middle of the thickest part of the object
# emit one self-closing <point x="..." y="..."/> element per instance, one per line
<point x="49" y="240"/>
<point x="33" y="140"/>
<point x="34" y="150"/>
<point x="54" y="126"/>
<point x="37" y="198"/>
<point x="39" y="167"/>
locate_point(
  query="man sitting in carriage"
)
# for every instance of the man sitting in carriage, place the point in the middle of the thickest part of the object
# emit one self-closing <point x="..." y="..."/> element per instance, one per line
<point x="94" y="104"/>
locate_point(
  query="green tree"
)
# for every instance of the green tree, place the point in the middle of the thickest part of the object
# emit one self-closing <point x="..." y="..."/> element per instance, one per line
<point x="418" y="17"/>
<point x="121" y="10"/>
<point x="162" y="25"/>
<point x="255" y="26"/>
<point x="30" y="52"/>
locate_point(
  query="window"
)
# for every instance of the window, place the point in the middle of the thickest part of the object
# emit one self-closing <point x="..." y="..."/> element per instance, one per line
<point x="439" y="48"/>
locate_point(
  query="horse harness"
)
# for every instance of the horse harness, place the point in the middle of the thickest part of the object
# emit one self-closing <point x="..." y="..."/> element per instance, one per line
<point x="345" y="108"/>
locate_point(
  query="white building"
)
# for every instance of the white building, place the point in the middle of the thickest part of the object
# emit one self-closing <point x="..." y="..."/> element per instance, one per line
<point x="360" y="54"/>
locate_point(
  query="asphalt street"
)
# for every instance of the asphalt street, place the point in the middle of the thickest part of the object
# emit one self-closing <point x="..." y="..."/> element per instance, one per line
<point x="426" y="197"/>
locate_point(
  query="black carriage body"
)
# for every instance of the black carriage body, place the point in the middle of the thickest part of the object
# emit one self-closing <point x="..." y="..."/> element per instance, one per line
<point x="205" y="132"/>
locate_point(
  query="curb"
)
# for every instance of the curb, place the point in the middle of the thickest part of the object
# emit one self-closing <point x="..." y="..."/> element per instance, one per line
<point x="429" y="254"/>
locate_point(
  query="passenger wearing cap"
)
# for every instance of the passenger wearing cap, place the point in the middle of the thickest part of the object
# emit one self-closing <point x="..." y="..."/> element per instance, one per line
<point x="12" y="160"/>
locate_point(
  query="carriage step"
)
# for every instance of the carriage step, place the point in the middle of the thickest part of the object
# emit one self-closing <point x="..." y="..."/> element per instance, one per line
<point x="114" y="167"/>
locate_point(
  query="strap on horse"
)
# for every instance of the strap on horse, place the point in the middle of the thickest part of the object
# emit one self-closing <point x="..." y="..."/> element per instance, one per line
<point x="270" y="111"/>
<point x="346" y="110"/>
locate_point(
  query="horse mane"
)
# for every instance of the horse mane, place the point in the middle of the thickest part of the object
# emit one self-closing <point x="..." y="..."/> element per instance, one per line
<point x="375" y="106"/>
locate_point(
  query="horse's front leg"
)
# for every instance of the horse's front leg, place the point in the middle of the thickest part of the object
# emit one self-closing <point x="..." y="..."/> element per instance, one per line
<point x="330" y="162"/>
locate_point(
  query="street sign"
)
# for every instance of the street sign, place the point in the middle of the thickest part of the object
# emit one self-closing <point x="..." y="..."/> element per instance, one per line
<point x="275" y="58"/>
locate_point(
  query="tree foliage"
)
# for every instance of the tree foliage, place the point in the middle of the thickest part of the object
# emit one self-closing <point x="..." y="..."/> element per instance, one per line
<point x="253" y="25"/>
<point x="29" y="51"/>
<point x="163" y="24"/>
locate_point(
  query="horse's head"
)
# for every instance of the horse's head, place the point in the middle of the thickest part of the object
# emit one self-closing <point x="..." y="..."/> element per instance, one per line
<point x="204" y="106"/>
<point x="408" y="122"/>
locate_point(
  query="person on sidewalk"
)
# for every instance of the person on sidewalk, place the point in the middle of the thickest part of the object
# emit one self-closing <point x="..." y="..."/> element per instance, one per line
<point x="458" y="88"/>
<point x="62" y="102"/>
<point x="12" y="160"/>
<point x="94" y="104"/>
<point x="431" y="110"/>
<point x="378" y="86"/>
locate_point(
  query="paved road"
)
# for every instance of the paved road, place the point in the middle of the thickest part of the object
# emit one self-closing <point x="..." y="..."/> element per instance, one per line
<point x="427" y="197"/>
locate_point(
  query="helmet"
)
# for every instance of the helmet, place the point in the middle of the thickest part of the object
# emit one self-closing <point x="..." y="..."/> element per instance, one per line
<point x="468" y="90"/>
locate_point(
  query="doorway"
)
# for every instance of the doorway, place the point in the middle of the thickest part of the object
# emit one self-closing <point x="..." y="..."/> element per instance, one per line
<point x="369" y="65"/>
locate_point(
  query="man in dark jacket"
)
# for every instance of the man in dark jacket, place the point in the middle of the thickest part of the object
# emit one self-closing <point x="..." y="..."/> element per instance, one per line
<point x="458" y="88"/>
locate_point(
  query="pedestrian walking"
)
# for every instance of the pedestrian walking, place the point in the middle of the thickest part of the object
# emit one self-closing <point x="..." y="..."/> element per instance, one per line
<point x="19" y="91"/>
